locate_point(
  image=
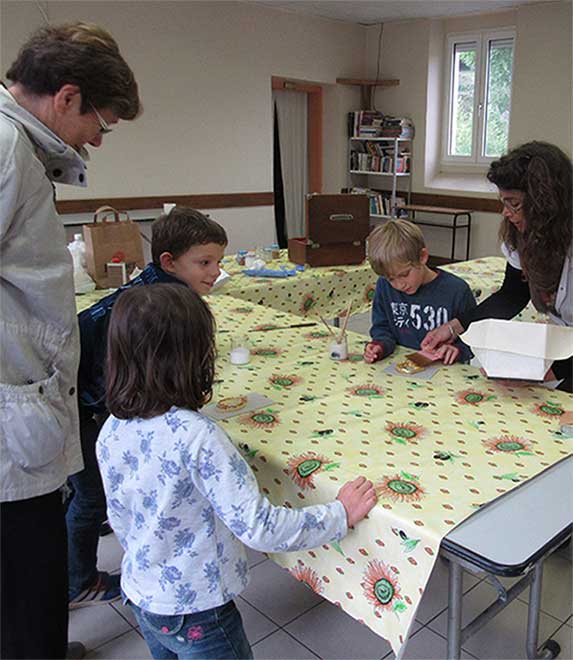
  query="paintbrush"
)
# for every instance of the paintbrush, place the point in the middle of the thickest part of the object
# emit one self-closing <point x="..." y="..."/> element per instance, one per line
<point x="327" y="327"/>
<point x="343" y="333"/>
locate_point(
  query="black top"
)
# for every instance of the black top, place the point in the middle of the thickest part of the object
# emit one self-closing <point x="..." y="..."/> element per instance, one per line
<point x="508" y="302"/>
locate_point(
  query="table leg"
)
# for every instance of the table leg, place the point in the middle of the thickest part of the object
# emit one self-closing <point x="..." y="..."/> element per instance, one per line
<point x="550" y="649"/>
<point x="468" y="236"/>
<point x="455" y="227"/>
<point x="454" y="611"/>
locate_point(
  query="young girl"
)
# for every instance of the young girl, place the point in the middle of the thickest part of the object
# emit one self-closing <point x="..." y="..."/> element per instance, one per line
<point x="181" y="498"/>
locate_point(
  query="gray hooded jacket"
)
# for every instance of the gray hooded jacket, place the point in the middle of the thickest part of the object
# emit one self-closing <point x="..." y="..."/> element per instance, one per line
<point x="39" y="346"/>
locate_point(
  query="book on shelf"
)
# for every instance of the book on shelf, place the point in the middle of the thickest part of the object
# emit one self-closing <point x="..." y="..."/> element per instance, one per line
<point x="397" y="127"/>
<point x="380" y="201"/>
<point x="365" y="123"/>
<point x="381" y="163"/>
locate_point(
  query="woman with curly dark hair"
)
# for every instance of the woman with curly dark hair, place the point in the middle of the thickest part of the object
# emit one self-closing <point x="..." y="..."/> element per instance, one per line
<point x="535" y="184"/>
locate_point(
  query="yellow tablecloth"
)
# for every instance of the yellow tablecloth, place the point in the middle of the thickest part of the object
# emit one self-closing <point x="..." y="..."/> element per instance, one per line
<point x="324" y="291"/>
<point x="437" y="449"/>
<point x="327" y="291"/>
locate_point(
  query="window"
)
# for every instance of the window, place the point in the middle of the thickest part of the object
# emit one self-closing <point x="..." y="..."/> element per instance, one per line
<point x="479" y="76"/>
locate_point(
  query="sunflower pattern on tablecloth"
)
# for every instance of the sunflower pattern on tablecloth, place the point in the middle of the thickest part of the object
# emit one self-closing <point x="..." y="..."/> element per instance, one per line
<point x="303" y="468"/>
<point x="456" y="456"/>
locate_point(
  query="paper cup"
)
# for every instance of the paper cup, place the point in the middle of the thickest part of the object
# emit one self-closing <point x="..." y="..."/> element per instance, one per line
<point x="338" y="351"/>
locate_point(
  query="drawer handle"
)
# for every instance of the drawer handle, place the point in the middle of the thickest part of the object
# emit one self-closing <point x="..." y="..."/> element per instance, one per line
<point x="341" y="217"/>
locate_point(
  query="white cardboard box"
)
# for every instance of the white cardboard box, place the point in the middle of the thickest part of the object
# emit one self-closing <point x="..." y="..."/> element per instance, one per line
<point x="516" y="350"/>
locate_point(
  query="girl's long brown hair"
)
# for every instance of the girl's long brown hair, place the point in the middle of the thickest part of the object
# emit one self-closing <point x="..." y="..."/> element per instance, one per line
<point x="160" y="351"/>
<point x="544" y="173"/>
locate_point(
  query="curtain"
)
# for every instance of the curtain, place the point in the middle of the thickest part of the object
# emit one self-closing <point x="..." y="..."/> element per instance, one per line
<point x="291" y="109"/>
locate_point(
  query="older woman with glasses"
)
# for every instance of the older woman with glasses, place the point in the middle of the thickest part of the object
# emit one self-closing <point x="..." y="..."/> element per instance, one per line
<point x="535" y="187"/>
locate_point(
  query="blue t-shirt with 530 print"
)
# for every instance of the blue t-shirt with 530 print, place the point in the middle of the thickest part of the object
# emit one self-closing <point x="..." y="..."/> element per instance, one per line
<point x="399" y="318"/>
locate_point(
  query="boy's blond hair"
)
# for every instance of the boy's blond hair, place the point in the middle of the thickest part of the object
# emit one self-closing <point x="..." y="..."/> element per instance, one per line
<point x="395" y="244"/>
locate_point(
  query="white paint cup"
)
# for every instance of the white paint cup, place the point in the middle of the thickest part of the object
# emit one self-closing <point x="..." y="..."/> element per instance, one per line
<point x="338" y="351"/>
<point x="240" y="353"/>
<point x="167" y="208"/>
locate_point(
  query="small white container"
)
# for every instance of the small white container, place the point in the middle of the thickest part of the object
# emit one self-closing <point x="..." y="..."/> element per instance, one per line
<point x="338" y="351"/>
<point x="167" y="208"/>
<point x="250" y="259"/>
<point x="240" y="352"/>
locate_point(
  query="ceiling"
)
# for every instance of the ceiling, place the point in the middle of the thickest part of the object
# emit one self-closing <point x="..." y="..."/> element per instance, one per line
<point x="370" y="12"/>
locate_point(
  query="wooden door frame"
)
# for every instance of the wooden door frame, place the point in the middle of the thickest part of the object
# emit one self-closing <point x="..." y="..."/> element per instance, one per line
<point x="314" y="126"/>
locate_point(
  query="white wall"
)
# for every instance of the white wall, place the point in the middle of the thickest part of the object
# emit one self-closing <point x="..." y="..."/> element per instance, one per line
<point x="204" y="71"/>
<point x="541" y="107"/>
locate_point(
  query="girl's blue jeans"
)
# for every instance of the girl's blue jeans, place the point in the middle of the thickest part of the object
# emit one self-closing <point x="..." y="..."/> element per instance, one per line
<point x="215" y="634"/>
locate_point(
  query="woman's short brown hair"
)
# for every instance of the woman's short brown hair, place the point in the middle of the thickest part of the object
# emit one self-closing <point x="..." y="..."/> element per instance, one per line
<point x="181" y="229"/>
<point x="395" y="244"/>
<point x="160" y="351"/>
<point x="79" y="54"/>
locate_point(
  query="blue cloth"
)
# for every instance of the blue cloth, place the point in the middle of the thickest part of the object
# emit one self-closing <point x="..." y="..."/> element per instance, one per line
<point x="216" y="634"/>
<point x="93" y="339"/>
<point x="399" y="318"/>
<point x="268" y="272"/>
<point x="182" y="501"/>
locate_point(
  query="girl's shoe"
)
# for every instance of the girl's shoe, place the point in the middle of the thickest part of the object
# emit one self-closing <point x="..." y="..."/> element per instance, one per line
<point x="106" y="590"/>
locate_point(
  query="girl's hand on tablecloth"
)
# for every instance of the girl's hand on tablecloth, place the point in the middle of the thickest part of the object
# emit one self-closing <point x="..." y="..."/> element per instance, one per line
<point x="358" y="497"/>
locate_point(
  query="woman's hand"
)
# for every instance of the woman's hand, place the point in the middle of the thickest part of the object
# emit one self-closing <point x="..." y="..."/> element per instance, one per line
<point x="445" y="334"/>
<point x="448" y="353"/>
<point x="436" y="338"/>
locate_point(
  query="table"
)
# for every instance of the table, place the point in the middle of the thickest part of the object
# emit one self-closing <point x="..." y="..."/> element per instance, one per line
<point x="412" y="209"/>
<point x="327" y="291"/>
<point x="519" y="547"/>
<point x="324" y="291"/>
<point x="438" y="450"/>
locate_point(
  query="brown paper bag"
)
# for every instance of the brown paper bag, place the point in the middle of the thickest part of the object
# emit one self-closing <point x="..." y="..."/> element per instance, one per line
<point x="105" y="240"/>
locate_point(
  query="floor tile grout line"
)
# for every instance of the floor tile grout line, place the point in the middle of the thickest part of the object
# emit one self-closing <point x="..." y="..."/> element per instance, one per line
<point x="446" y="606"/>
<point x="290" y="620"/>
<point x="123" y="617"/>
<point x="262" y="639"/>
<point x="300" y="642"/>
<point x="266" y="616"/>
<point x="111" y="639"/>
<point x="312" y="607"/>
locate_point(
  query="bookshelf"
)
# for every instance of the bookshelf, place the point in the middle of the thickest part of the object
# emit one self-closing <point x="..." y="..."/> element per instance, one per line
<point x="381" y="167"/>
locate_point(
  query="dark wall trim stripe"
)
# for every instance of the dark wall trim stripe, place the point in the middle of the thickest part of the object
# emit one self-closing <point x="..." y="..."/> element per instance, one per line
<point x="238" y="200"/>
<point x="479" y="204"/>
<point x="208" y="201"/>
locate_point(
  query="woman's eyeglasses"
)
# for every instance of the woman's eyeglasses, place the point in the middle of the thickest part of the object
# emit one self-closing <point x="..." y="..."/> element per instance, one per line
<point x="104" y="126"/>
<point x="510" y="205"/>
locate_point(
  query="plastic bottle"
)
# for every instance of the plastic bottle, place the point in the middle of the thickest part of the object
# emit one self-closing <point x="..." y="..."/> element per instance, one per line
<point x="83" y="283"/>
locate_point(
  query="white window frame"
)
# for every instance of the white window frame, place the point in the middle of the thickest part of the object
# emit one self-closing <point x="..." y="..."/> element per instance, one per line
<point x="482" y="40"/>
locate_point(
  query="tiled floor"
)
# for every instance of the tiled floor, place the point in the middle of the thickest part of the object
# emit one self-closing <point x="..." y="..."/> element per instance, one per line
<point x="283" y="619"/>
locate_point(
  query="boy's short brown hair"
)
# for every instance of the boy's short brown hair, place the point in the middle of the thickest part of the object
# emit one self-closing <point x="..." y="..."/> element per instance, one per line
<point x="394" y="244"/>
<point x="181" y="229"/>
<point x="81" y="54"/>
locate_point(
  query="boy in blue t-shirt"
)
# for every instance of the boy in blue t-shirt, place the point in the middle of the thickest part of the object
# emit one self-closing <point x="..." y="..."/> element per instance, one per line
<point x="411" y="299"/>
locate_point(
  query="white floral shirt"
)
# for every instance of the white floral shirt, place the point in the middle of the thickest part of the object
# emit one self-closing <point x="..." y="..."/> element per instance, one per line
<point x="182" y="501"/>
